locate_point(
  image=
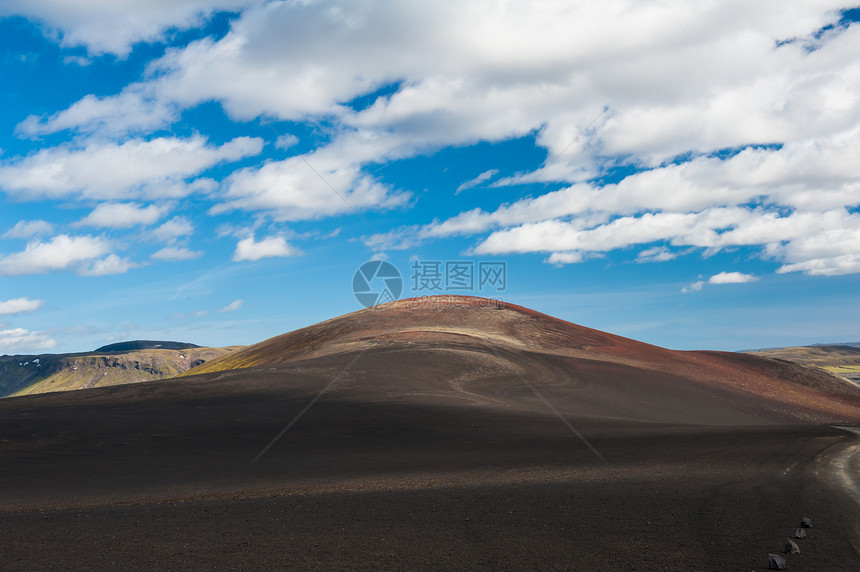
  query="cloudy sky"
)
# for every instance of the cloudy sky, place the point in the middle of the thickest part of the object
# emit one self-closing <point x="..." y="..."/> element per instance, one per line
<point x="215" y="171"/>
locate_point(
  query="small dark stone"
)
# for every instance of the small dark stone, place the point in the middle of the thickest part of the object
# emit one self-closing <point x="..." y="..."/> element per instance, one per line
<point x="800" y="533"/>
<point x="791" y="547"/>
<point x="775" y="562"/>
<point x="805" y="522"/>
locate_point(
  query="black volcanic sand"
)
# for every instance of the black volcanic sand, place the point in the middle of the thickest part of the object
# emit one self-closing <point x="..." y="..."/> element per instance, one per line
<point x="415" y="476"/>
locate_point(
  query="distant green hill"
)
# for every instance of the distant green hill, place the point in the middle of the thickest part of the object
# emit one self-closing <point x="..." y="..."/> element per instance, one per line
<point x="145" y="345"/>
<point x="109" y="365"/>
<point x="842" y="359"/>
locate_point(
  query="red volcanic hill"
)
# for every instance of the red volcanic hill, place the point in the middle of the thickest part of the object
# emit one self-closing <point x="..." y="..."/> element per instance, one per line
<point x="455" y="348"/>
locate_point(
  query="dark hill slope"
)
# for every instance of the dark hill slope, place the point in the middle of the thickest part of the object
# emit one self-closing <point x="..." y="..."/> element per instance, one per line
<point x="481" y="347"/>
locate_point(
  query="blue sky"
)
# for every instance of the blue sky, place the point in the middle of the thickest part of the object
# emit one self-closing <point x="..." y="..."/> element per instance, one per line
<point x="216" y="171"/>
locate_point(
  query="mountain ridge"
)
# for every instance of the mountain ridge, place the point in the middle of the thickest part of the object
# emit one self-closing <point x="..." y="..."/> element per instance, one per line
<point x="145" y="345"/>
<point x="31" y="374"/>
<point x="837" y="359"/>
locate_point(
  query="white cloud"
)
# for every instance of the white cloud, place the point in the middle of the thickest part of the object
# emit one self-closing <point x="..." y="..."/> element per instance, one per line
<point x="176" y="253"/>
<point x="482" y="178"/>
<point x="77" y="60"/>
<point x="469" y="222"/>
<point x="29" y="229"/>
<point x="816" y="179"/>
<point x="797" y="238"/>
<point x="114" y="26"/>
<point x="697" y="229"/>
<point x="111" y="264"/>
<point x="731" y="278"/>
<point x="397" y="239"/>
<point x="694" y="287"/>
<point x="829" y="266"/>
<point x="656" y="254"/>
<point x="601" y="83"/>
<point x="272" y="246"/>
<point x="809" y="176"/>
<point x="486" y="73"/>
<point x="174" y="228"/>
<point x="286" y="141"/>
<point x="306" y="188"/>
<point x="721" y="278"/>
<point x="123" y="215"/>
<point x="134" y="110"/>
<point x="232" y="306"/>
<point x="466" y="223"/>
<point x="19" y="306"/>
<point x="828" y="248"/>
<point x="150" y="169"/>
<point x="21" y="341"/>
<point x="677" y="77"/>
<point x="568" y="257"/>
<point x="62" y="252"/>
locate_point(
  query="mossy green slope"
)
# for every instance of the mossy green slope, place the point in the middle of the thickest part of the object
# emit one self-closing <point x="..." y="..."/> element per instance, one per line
<point x="840" y="360"/>
<point x="25" y="375"/>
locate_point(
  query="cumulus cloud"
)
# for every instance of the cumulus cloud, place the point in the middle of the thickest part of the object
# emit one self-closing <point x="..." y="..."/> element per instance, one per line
<point x="150" y="169"/>
<point x="21" y="341"/>
<point x="797" y="237"/>
<point x="286" y="141"/>
<point x="123" y="215"/>
<point x="114" y="26"/>
<point x="569" y="257"/>
<point x="176" y="253"/>
<point x="132" y="111"/>
<point x="825" y="266"/>
<point x="676" y="83"/>
<point x="63" y="252"/>
<point x="731" y="278"/>
<point x="29" y="229"/>
<point x="792" y="200"/>
<point x="19" y="306"/>
<point x="232" y="306"/>
<point x="699" y="229"/>
<point x="721" y="278"/>
<point x="174" y="228"/>
<point x="111" y="264"/>
<point x="742" y="118"/>
<point x="656" y="254"/>
<point x="306" y="188"/>
<point x="273" y="246"/>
